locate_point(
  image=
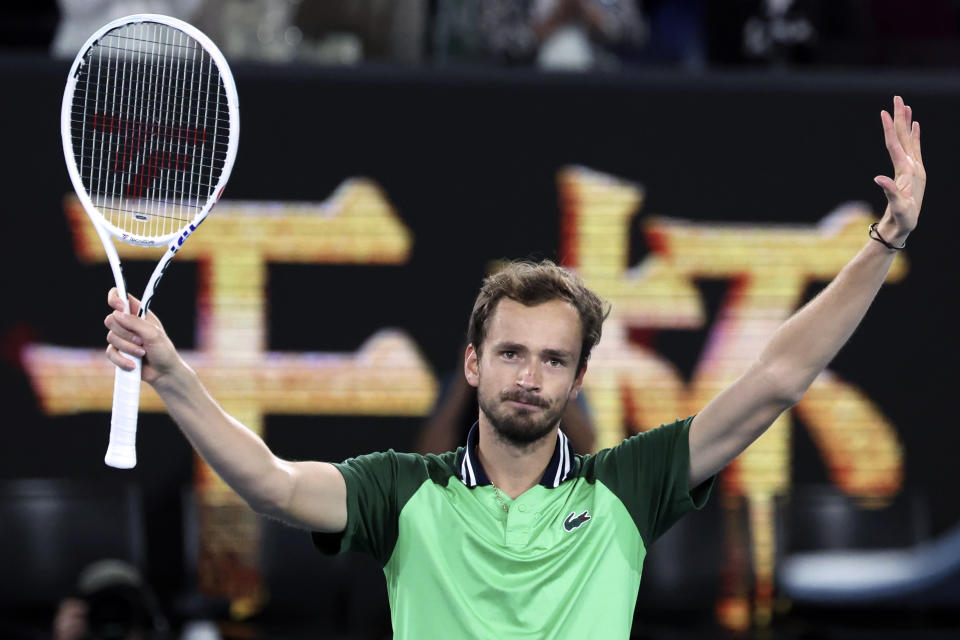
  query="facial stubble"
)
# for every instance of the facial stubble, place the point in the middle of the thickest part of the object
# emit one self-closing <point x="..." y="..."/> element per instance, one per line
<point x="517" y="426"/>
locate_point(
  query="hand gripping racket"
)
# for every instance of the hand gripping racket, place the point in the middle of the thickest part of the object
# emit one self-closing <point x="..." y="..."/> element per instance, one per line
<point x="150" y="125"/>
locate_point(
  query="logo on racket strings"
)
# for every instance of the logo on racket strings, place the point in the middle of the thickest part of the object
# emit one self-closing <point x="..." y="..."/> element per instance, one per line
<point x="134" y="137"/>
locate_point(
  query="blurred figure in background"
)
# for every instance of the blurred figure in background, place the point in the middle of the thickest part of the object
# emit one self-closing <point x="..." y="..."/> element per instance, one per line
<point x="812" y="33"/>
<point x="676" y="35"/>
<point x="80" y="18"/>
<point x="553" y="34"/>
<point x="112" y="603"/>
<point x="550" y="34"/>
<point x="382" y="30"/>
<point x="276" y="31"/>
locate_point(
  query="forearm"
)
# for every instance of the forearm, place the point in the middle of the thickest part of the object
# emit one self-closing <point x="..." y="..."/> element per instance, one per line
<point x="237" y="454"/>
<point x="311" y="495"/>
<point x="803" y="346"/>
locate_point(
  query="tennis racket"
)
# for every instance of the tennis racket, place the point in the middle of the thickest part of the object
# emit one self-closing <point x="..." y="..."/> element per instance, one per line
<point x="150" y="125"/>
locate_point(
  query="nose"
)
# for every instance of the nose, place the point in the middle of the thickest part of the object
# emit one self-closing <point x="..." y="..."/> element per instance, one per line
<point x="529" y="376"/>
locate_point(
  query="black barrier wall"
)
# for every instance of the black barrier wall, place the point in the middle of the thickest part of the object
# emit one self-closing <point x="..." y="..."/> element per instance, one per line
<point x="460" y="169"/>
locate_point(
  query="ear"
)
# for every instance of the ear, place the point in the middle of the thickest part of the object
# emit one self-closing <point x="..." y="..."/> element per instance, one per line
<point x="577" y="383"/>
<point x="471" y="366"/>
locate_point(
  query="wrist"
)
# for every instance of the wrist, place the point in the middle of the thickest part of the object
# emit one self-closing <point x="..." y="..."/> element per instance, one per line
<point x="177" y="380"/>
<point x="891" y="232"/>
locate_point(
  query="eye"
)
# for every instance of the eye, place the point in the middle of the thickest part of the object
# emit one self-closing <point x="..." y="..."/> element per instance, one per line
<point x="508" y="354"/>
<point x="556" y="362"/>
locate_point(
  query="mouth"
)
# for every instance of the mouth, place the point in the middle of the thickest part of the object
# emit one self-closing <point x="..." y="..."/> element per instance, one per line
<point x="524" y="402"/>
<point x="523" y="405"/>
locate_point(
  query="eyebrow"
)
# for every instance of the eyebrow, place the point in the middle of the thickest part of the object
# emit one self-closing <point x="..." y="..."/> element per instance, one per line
<point x="559" y="354"/>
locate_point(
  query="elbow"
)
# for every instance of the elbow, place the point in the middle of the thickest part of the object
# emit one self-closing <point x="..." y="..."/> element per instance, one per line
<point x="787" y="387"/>
<point x="265" y="507"/>
<point x="792" y="396"/>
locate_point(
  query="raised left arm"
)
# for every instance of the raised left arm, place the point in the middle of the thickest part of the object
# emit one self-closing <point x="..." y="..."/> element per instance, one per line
<point x="803" y="346"/>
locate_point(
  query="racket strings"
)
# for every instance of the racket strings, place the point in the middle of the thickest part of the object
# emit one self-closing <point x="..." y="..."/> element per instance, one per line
<point x="150" y="125"/>
<point x="150" y="74"/>
<point x="148" y="42"/>
<point x="193" y="171"/>
<point x="177" y="220"/>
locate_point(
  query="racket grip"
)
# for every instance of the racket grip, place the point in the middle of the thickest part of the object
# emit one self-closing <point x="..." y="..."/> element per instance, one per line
<point x="122" y="448"/>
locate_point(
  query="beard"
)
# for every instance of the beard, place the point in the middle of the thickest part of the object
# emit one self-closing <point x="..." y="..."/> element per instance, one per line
<point x="520" y="426"/>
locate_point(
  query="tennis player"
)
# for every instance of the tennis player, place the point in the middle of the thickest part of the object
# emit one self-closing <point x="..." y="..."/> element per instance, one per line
<point x="511" y="536"/>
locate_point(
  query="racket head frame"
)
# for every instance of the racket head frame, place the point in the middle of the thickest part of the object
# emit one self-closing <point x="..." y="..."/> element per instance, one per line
<point x="230" y="90"/>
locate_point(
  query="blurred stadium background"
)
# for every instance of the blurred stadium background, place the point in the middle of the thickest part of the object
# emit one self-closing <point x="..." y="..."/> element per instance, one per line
<point x="706" y="164"/>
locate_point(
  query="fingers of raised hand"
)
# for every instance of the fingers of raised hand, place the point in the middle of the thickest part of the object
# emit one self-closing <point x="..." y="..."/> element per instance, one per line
<point x="901" y="119"/>
<point x="113" y="299"/>
<point x="908" y="134"/>
<point x="915" y="142"/>
<point x="892" y="141"/>
<point x="115" y="302"/>
<point x="888" y="185"/>
<point x="123" y="333"/>
<point x="908" y="130"/>
<point x="116" y="357"/>
<point x="901" y="134"/>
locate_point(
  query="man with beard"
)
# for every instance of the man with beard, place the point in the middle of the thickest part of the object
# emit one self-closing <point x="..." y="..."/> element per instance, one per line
<point x="511" y="536"/>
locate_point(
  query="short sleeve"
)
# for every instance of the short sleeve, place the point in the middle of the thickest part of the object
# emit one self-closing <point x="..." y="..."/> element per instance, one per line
<point x="372" y="507"/>
<point x="649" y="473"/>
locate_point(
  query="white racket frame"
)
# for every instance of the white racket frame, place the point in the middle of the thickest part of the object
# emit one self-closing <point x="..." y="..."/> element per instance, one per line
<point x="121" y="450"/>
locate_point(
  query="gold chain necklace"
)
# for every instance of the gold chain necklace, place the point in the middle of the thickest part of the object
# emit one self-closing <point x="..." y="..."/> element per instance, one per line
<point x="503" y="504"/>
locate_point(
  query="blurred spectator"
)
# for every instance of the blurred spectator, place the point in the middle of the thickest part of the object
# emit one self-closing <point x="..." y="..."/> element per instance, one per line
<point x="832" y="32"/>
<point x="676" y="35"/>
<point x="112" y="603"/>
<point x="333" y="31"/>
<point x="553" y="34"/>
<point x="455" y="36"/>
<point x="377" y="29"/>
<point x="261" y="30"/>
<point x="80" y="18"/>
<point x="761" y="31"/>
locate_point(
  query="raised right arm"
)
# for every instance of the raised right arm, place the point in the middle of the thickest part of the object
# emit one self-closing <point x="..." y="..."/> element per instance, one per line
<point x="311" y="495"/>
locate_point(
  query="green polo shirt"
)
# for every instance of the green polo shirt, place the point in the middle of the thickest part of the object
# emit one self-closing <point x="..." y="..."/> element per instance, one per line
<point x="563" y="562"/>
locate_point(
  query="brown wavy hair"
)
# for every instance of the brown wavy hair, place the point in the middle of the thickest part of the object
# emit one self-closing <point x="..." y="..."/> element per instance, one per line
<point x="531" y="283"/>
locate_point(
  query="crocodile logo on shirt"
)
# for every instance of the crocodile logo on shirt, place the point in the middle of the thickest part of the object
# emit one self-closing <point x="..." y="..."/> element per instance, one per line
<point x="573" y="521"/>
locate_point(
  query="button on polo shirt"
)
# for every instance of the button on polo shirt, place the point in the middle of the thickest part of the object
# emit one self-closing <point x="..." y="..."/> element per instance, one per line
<point x="564" y="561"/>
<point x="519" y="522"/>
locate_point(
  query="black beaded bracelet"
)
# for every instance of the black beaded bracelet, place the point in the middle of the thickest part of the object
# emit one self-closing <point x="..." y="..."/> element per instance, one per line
<point x="879" y="238"/>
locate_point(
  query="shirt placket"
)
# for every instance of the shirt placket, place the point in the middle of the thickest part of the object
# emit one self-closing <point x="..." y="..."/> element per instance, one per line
<point x="519" y="523"/>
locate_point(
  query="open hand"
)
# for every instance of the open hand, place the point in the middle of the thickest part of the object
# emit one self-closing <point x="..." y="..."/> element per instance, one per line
<point x="905" y="190"/>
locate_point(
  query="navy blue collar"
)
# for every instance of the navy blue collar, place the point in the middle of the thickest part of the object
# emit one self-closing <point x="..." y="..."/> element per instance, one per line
<point x="473" y="475"/>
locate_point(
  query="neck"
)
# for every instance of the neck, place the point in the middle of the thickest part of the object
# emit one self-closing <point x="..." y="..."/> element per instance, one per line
<point x="514" y="468"/>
